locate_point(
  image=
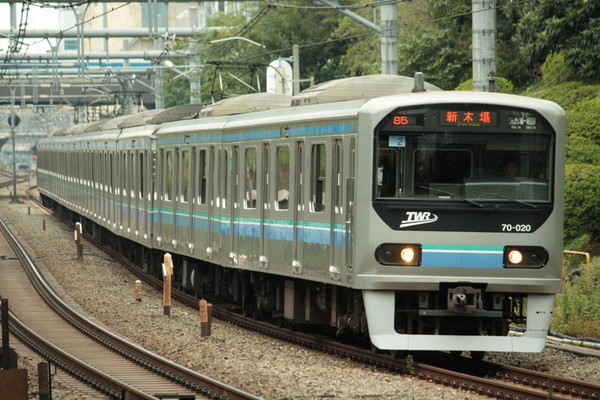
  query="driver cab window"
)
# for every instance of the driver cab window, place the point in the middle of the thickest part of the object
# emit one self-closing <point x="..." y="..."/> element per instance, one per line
<point x="389" y="182"/>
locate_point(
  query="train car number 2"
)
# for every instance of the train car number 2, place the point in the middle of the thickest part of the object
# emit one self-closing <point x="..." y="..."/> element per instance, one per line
<point x="516" y="228"/>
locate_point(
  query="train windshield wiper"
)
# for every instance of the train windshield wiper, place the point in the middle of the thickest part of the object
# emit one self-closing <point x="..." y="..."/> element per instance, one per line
<point x="509" y="199"/>
<point x="476" y="204"/>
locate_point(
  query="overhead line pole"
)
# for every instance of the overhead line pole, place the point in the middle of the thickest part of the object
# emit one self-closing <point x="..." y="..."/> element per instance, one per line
<point x="387" y="29"/>
<point x="484" y="45"/>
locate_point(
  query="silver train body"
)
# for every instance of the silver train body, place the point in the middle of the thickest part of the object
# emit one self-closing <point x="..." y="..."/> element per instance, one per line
<point x="430" y="220"/>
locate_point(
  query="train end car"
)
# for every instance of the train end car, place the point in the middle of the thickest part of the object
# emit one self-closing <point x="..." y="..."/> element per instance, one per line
<point x="421" y="220"/>
<point x="459" y="225"/>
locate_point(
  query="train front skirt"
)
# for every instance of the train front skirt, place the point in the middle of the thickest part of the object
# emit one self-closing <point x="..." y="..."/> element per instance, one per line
<point x="379" y="307"/>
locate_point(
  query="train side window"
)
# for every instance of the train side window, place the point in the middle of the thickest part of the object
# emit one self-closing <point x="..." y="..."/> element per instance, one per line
<point x="141" y="175"/>
<point x="225" y="178"/>
<point x="337" y="177"/>
<point x="283" y="178"/>
<point x="110" y="173"/>
<point x="202" y="164"/>
<point x="250" y="179"/>
<point x="132" y="172"/>
<point x="318" y="178"/>
<point x="185" y="175"/>
<point x="168" y="176"/>
<point x="124" y="173"/>
<point x="234" y="176"/>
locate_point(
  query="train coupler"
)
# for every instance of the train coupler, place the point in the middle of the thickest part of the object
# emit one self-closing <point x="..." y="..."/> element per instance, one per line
<point x="465" y="299"/>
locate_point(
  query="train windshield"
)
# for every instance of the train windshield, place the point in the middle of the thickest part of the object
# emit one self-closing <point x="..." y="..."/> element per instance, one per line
<point x="421" y="155"/>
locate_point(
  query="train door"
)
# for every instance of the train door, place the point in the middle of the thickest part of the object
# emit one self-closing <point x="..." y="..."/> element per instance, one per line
<point x="281" y="244"/>
<point x="202" y="203"/>
<point x="211" y="198"/>
<point x="265" y="207"/>
<point x="225" y="212"/>
<point x="112" y="190"/>
<point x="298" y="234"/>
<point x="317" y="217"/>
<point x="158" y="196"/>
<point x="194" y="182"/>
<point x="175" y="176"/>
<point x="132" y="226"/>
<point x="142" y="225"/>
<point x="183" y="216"/>
<point x="249" y="232"/>
<point x="349" y="204"/>
<point x="215" y="215"/>
<point x="336" y="243"/>
<point x="165" y="208"/>
<point x="233" y="203"/>
<point x="122" y="190"/>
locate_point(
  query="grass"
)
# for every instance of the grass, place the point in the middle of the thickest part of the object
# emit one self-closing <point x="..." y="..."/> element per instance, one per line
<point x="577" y="308"/>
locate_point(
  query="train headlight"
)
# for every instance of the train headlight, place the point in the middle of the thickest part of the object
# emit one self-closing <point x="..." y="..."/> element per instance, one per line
<point x="398" y="254"/>
<point x="515" y="257"/>
<point x="525" y="257"/>
<point x="407" y="255"/>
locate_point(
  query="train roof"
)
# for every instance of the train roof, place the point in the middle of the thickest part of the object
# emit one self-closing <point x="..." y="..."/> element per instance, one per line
<point x="336" y="91"/>
<point x="359" y="87"/>
<point x="177" y="113"/>
<point x="142" y="118"/>
<point x="247" y="103"/>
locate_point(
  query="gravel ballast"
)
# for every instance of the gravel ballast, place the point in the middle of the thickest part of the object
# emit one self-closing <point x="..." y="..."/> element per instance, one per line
<point x="255" y="363"/>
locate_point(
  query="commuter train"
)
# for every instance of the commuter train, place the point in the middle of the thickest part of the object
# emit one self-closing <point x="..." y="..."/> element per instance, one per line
<point x="377" y="206"/>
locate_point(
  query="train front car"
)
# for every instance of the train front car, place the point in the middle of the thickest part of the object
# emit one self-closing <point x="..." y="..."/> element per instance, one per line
<point x="460" y="234"/>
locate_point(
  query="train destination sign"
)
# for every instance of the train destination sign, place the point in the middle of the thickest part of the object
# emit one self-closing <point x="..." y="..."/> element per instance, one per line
<point x="479" y="118"/>
<point x="461" y="116"/>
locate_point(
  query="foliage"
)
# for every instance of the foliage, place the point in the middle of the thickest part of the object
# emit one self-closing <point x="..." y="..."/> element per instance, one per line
<point x="311" y="30"/>
<point x="583" y="243"/>
<point x="568" y="94"/>
<point x="177" y="89"/>
<point x="510" y="65"/>
<point x="502" y="85"/>
<point x="363" y="52"/>
<point x="550" y="26"/>
<point x="577" y="309"/>
<point x="440" y="49"/>
<point x="582" y="203"/>
<point x="555" y="70"/>
<point x="582" y="150"/>
<point x="582" y="103"/>
<point x="450" y="66"/>
<point x="439" y="46"/>
<point x="584" y="119"/>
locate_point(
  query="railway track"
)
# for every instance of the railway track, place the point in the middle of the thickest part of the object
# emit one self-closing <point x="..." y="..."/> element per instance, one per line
<point x="113" y="366"/>
<point x="7" y="179"/>
<point x="486" y="379"/>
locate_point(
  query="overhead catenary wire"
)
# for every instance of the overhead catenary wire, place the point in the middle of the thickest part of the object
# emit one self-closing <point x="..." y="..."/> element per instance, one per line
<point x="336" y="7"/>
<point x="20" y="39"/>
<point x="369" y="33"/>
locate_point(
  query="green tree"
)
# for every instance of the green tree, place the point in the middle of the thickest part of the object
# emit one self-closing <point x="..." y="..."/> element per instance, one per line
<point x="177" y="89"/>
<point x="550" y="26"/>
<point x="582" y="203"/>
<point x="311" y="30"/>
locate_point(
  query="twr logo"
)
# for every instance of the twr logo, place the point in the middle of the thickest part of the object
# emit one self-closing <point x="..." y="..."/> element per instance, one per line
<point x="418" y="218"/>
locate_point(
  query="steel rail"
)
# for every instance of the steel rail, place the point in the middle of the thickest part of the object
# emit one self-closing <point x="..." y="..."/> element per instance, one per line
<point x="492" y="380"/>
<point x="195" y="381"/>
<point x="93" y="377"/>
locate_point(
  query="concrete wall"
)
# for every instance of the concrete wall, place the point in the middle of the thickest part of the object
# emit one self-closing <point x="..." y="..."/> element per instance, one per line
<point x="35" y="123"/>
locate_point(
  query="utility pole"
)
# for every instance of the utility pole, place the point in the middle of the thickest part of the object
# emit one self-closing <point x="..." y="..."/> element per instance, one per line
<point x="195" y="78"/>
<point x="388" y="29"/>
<point x="13" y="121"/>
<point x="389" y="39"/>
<point x="484" y="45"/>
<point x="296" y="68"/>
